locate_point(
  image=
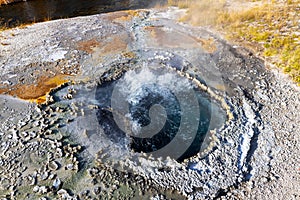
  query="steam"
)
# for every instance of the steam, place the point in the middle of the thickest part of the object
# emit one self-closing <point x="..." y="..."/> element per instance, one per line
<point x="138" y="85"/>
<point x="134" y="81"/>
<point x="200" y="12"/>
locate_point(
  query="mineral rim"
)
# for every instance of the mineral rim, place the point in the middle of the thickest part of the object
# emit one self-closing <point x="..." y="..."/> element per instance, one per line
<point x="57" y="149"/>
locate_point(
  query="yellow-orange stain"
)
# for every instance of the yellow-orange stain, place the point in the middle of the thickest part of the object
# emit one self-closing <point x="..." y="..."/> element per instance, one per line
<point x="88" y="46"/>
<point x="128" y="15"/>
<point x="208" y="44"/>
<point x="117" y="43"/>
<point x="155" y="31"/>
<point x="121" y="16"/>
<point x="172" y="39"/>
<point x="110" y="45"/>
<point x="161" y="37"/>
<point x="115" y="15"/>
<point x="129" y="54"/>
<point x="36" y="92"/>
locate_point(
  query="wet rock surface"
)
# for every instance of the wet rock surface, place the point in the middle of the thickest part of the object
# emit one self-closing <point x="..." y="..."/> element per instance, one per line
<point x="59" y="150"/>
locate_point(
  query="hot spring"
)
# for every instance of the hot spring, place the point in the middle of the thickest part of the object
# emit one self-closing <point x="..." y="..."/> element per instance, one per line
<point x="159" y="111"/>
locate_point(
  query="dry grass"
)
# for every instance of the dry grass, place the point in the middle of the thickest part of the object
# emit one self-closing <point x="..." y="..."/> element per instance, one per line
<point x="180" y="3"/>
<point x="5" y="25"/>
<point x="6" y="1"/>
<point x="123" y="16"/>
<point x="3" y="2"/>
<point x="200" y="12"/>
<point x="272" y="27"/>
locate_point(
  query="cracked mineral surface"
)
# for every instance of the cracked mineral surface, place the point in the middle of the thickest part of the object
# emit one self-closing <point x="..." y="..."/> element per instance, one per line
<point x="55" y="146"/>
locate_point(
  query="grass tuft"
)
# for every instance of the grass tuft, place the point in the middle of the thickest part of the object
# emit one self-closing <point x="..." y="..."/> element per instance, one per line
<point x="272" y="27"/>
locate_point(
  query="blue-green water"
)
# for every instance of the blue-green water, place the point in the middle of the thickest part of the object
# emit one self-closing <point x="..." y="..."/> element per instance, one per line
<point x="144" y="90"/>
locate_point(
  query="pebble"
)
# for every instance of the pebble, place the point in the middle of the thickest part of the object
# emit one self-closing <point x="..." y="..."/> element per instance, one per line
<point x="56" y="183"/>
<point x="36" y="189"/>
<point x="45" y="175"/>
<point x="51" y="176"/>
<point x="59" y="152"/>
<point x="43" y="190"/>
<point x="97" y="190"/>
<point x="53" y="165"/>
<point x="70" y="167"/>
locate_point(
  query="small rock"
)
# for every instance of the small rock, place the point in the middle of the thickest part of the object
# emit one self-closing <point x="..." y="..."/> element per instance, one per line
<point x="43" y="190"/>
<point x="56" y="183"/>
<point x="52" y="176"/>
<point x="97" y="190"/>
<point x="63" y="193"/>
<point x="36" y="188"/>
<point x="45" y="175"/>
<point x="70" y="167"/>
<point x="59" y="152"/>
<point x="53" y="165"/>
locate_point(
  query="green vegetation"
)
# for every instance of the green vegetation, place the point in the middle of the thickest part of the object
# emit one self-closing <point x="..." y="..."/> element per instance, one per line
<point x="272" y="27"/>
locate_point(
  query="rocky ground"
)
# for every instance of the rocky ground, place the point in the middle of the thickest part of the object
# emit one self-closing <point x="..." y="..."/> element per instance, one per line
<point x="57" y="150"/>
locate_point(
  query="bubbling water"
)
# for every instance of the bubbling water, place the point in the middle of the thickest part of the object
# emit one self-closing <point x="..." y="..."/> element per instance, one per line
<point x="159" y="111"/>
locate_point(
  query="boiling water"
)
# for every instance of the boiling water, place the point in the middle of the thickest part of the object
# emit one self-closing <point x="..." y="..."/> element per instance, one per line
<point x="155" y="108"/>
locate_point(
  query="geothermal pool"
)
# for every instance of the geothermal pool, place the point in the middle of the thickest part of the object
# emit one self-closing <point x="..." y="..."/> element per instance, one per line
<point x="166" y="115"/>
<point x="154" y="111"/>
